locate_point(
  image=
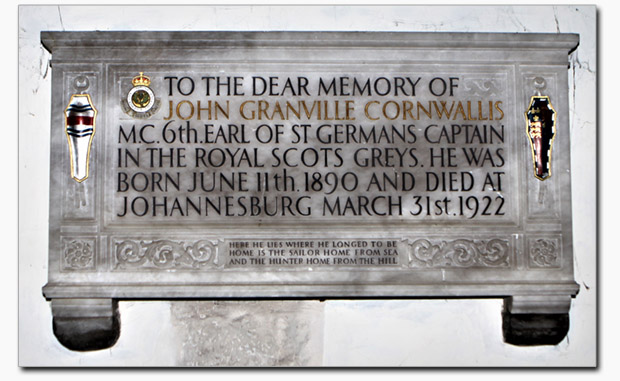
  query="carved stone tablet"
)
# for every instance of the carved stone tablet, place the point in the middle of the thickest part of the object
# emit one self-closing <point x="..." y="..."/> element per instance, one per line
<point x="309" y="165"/>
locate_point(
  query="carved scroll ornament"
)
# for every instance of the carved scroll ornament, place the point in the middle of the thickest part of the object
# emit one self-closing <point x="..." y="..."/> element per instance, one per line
<point x="459" y="253"/>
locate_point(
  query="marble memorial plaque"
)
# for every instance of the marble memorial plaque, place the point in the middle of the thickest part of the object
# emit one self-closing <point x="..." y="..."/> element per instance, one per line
<point x="309" y="165"/>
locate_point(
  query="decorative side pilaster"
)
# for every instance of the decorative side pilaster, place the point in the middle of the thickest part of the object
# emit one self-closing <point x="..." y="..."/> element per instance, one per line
<point x="542" y="195"/>
<point x="79" y="196"/>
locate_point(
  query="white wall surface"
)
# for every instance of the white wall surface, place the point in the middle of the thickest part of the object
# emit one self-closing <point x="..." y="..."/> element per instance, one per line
<point x="355" y="333"/>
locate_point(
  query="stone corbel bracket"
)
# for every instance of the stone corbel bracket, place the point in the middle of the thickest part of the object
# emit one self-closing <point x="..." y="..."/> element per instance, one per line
<point x="86" y="324"/>
<point x="535" y="319"/>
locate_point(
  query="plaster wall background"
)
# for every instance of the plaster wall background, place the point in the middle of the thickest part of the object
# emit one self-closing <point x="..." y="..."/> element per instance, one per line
<point x="333" y="333"/>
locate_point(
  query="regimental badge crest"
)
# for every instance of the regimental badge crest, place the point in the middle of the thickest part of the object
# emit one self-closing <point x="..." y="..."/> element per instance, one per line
<point x="140" y="101"/>
<point x="540" y="118"/>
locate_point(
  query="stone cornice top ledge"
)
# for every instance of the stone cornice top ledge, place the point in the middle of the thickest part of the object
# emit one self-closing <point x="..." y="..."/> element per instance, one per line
<point x="203" y="39"/>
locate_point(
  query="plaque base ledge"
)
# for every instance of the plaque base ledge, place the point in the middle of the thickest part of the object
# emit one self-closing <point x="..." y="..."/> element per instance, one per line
<point x="316" y="290"/>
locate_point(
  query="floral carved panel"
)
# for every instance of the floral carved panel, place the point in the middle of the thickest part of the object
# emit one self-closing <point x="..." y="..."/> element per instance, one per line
<point x="164" y="254"/>
<point x="544" y="252"/>
<point x="79" y="253"/>
<point x="425" y="253"/>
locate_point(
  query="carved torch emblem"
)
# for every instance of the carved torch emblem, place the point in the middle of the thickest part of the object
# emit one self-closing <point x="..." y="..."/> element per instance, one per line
<point x="80" y="117"/>
<point x="540" y="118"/>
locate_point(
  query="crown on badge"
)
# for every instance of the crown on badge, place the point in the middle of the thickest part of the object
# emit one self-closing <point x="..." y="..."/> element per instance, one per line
<point x="141" y="80"/>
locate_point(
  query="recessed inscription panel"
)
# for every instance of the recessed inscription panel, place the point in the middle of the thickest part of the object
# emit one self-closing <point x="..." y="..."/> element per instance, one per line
<point x="294" y="146"/>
